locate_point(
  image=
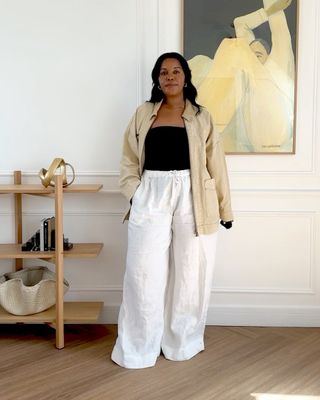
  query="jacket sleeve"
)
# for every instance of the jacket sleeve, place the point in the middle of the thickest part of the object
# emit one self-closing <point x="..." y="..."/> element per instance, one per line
<point x="129" y="166"/>
<point x="216" y="165"/>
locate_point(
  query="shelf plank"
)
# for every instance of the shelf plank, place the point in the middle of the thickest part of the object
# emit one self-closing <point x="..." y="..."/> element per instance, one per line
<point x="84" y="250"/>
<point x="79" y="250"/>
<point x="39" y="189"/>
<point x="74" y="312"/>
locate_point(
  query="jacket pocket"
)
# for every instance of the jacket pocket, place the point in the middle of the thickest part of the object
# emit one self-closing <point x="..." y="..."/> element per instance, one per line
<point x="211" y="199"/>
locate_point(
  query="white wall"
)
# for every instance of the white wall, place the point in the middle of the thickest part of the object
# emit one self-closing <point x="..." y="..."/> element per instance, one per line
<point x="72" y="73"/>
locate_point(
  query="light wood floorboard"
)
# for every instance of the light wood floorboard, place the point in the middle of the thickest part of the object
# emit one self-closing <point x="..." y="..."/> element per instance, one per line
<point x="237" y="362"/>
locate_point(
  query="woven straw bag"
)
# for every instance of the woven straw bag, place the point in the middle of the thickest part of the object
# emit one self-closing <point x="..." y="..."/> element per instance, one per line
<point x="29" y="291"/>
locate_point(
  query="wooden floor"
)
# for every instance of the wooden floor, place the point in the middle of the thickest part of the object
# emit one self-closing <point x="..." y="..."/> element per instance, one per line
<point x="236" y="363"/>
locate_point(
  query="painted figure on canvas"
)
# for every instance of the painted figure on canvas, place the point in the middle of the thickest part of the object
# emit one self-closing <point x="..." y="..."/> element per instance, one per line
<point x="248" y="86"/>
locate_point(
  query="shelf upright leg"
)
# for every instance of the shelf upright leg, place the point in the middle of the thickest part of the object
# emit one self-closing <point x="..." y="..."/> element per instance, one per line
<point x="59" y="261"/>
<point x="18" y="218"/>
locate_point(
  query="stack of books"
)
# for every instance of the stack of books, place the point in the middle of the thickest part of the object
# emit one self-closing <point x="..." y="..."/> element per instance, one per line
<point x="44" y="239"/>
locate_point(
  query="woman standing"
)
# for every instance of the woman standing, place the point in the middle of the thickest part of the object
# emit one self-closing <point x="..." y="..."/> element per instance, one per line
<point x="173" y="172"/>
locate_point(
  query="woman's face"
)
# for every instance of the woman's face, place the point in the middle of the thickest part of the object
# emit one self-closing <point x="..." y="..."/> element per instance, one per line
<point x="171" y="78"/>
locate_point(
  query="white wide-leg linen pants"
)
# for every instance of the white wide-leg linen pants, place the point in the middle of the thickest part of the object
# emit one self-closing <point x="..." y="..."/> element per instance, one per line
<point x="168" y="274"/>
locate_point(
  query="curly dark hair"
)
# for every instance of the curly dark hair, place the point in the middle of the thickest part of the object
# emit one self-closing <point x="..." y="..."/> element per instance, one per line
<point x="189" y="92"/>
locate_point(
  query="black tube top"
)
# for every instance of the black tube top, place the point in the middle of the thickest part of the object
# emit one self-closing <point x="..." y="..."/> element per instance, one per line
<point x="167" y="149"/>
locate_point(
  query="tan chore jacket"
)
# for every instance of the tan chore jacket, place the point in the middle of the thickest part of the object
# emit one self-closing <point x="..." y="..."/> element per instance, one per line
<point x="209" y="179"/>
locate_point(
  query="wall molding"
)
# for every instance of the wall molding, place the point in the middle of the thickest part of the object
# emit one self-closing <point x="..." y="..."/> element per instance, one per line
<point x="252" y="213"/>
<point x="315" y="120"/>
<point x="30" y="173"/>
<point x="67" y="213"/>
<point x="311" y="216"/>
<point x="263" y="290"/>
<point x="81" y="291"/>
<point x="308" y="316"/>
<point x="116" y="174"/>
<point x="110" y="179"/>
<point x="316" y="97"/>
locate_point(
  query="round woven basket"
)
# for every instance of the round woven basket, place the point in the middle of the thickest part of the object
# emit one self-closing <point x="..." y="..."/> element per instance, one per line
<point x="29" y="291"/>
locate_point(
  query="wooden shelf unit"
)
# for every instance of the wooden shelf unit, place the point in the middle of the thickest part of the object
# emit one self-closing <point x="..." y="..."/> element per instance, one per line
<point x="74" y="312"/>
<point x="62" y="312"/>
<point x="79" y="250"/>
<point x="41" y="190"/>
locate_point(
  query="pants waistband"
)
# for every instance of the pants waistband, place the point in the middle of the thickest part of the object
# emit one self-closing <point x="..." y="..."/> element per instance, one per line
<point x="160" y="174"/>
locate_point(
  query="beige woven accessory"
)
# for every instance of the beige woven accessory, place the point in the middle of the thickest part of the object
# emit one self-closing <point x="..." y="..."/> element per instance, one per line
<point x="29" y="291"/>
<point x="47" y="176"/>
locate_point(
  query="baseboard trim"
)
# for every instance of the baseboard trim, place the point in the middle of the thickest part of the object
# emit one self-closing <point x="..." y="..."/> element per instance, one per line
<point x="292" y="316"/>
<point x="244" y="316"/>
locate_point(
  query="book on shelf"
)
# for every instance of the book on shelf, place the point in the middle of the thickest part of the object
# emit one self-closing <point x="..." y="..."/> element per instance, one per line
<point x="44" y="239"/>
<point x="51" y="232"/>
<point x="46" y="228"/>
<point x="42" y="233"/>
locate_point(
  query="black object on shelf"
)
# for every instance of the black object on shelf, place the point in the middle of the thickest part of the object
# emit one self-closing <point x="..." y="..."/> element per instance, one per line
<point x="44" y="239"/>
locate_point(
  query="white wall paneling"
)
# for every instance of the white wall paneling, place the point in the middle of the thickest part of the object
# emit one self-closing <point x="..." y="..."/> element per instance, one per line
<point x="69" y="69"/>
<point x="265" y="247"/>
<point x="72" y="75"/>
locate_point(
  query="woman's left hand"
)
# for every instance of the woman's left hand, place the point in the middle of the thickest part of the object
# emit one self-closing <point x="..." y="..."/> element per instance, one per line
<point x="226" y="224"/>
